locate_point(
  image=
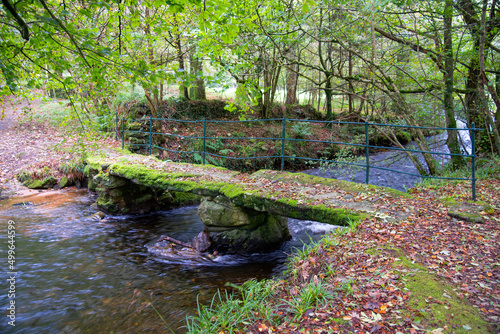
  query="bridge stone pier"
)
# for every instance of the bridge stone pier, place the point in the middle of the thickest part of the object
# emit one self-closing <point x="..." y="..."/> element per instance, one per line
<point x="240" y="212"/>
<point x="234" y="228"/>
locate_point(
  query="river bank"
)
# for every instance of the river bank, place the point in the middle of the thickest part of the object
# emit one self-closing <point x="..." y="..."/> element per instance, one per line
<point x="26" y="141"/>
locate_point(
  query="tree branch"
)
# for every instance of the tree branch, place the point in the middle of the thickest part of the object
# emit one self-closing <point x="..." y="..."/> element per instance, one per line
<point x="412" y="45"/>
<point x="65" y="30"/>
<point x="23" y="26"/>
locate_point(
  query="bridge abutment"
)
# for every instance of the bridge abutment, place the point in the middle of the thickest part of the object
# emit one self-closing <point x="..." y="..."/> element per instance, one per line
<point x="119" y="195"/>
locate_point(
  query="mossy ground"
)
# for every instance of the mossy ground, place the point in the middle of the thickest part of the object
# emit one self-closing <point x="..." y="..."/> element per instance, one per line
<point x="433" y="298"/>
<point x="440" y="307"/>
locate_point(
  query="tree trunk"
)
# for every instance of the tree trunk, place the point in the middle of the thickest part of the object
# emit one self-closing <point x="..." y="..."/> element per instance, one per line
<point x="497" y="85"/>
<point x="151" y="92"/>
<point x="328" y="98"/>
<point x="183" y="90"/>
<point x="351" y="87"/>
<point x="265" y="94"/>
<point x="484" y="83"/>
<point x="483" y="31"/>
<point x="452" y="141"/>
<point x="291" y="84"/>
<point x="196" y="69"/>
<point x="471" y="96"/>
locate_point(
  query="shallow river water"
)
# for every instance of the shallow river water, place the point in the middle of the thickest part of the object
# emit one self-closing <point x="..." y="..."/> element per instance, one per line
<point x="398" y="163"/>
<point x="76" y="275"/>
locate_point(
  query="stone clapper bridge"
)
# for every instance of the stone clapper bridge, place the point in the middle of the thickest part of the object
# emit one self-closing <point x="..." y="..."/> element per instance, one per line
<point x="241" y="212"/>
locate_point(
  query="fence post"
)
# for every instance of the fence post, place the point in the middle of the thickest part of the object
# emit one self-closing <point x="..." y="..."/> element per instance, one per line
<point x="473" y="156"/>
<point x="123" y="132"/>
<point x="367" y="154"/>
<point x="283" y="144"/>
<point x="150" y="134"/>
<point x="204" y="138"/>
<point x="116" y="126"/>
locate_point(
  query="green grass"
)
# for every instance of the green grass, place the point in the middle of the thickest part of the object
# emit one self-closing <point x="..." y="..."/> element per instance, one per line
<point x="313" y="294"/>
<point x="55" y="113"/>
<point x="485" y="168"/>
<point x="230" y="312"/>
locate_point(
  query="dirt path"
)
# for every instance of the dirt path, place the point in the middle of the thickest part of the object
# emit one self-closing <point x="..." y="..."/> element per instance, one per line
<point x="24" y="142"/>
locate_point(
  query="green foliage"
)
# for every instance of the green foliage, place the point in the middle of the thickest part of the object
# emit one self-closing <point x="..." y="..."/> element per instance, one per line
<point x="215" y="147"/>
<point x="485" y="168"/>
<point x="73" y="170"/>
<point x="230" y="313"/>
<point x="488" y="167"/>
<point x="195" y="110"/>
<point x="301" y="130"/>
<point x="105" y="122"/>
<point x="234" y="109"/>
<point x="347" y="287"/>
<point x="313" y="295"/>
<point x="125" y="96"/>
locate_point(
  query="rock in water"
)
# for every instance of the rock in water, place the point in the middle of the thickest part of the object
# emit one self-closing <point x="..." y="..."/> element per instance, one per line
<point x="96" y="216"/>
<point x="201" y="242"/>
<point x="175" y="252"/>
<point x="235" y="229"/>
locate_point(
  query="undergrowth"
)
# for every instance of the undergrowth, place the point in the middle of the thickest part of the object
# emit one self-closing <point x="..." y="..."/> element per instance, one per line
<point x="485" y="168"/>
<point x="259" y="304"/>
<point x="73" y="170"/>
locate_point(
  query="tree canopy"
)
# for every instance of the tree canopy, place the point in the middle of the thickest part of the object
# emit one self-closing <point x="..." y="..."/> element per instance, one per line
<point x="411" y="59"/>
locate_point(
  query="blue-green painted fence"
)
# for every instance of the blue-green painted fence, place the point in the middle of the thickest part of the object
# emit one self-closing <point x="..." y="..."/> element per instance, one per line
<point x="284" y="139"/>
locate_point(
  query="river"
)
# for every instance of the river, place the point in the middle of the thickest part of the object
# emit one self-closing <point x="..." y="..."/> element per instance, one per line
<point x="395" y="160"/>
<point x="76" y="275"/>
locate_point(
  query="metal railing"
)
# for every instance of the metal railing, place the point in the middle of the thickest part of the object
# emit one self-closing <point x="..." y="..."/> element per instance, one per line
<point x="283" y="139"/>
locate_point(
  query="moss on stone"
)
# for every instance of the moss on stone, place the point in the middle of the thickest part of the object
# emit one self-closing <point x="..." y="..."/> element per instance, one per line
<point x="306" y="179"/>
<point x="180" y="198"/>
<point x="64" y="182"/>
<point x="107" y="205"/>
<point x="132" y="167"/>
<point x="449" y="201"/>
<point x="45" y="183"/>
<point x="86" y="171"/>
<point x="235" y="229"/>
<point x="149" y="177"/>
<point x="456" y="313"/>
<point x="234" y="190"/>
<point x="472" y="217"/>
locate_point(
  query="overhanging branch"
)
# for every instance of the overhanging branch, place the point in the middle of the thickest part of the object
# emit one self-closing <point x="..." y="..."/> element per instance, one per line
<point x="23" y="27"/>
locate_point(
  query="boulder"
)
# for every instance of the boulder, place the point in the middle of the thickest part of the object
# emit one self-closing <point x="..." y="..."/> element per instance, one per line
<point x="123" y="196"/>
<point x="99" y="215"/>
<point x="64" y="182"/>
<point x="46" y="183"/>
<point x="233" y="229"/>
